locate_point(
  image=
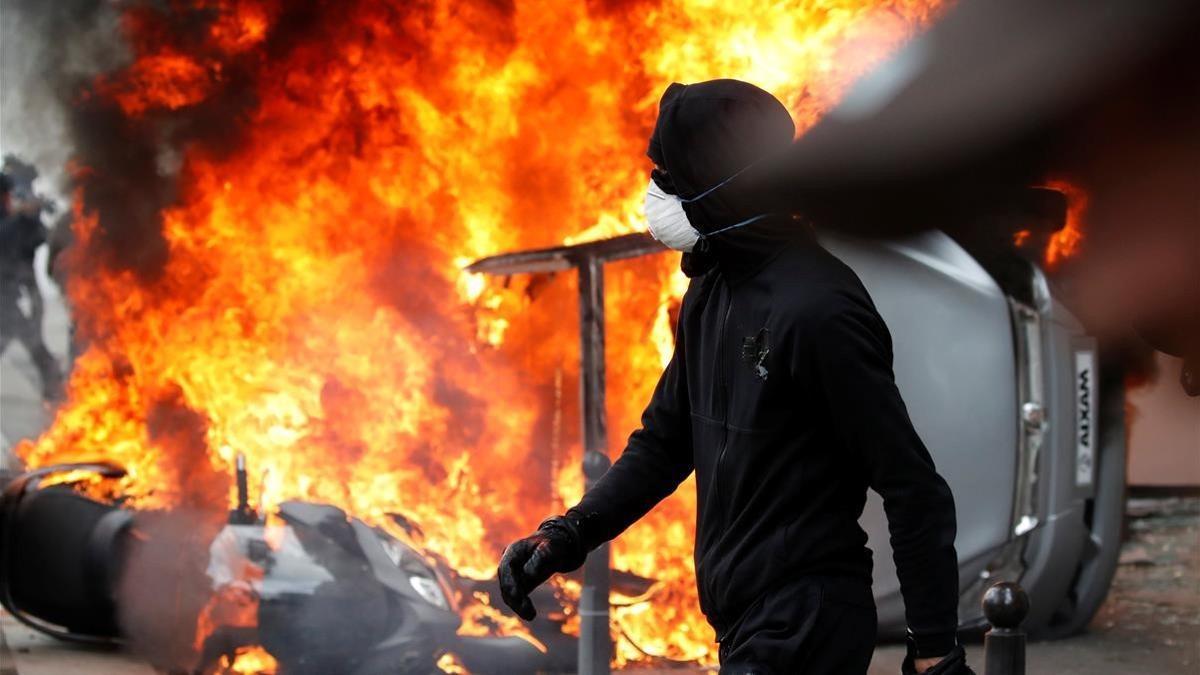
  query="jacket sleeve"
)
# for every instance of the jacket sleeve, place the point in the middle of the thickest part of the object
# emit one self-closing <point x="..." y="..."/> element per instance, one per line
<point x="656" y="459"/>
<point x="853" y="354"/>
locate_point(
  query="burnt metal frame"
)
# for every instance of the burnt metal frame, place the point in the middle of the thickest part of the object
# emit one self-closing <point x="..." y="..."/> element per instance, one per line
<point x="595" y="640"/>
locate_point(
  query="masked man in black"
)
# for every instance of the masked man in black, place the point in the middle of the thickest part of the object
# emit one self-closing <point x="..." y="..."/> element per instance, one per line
<point x="780" y="396"/>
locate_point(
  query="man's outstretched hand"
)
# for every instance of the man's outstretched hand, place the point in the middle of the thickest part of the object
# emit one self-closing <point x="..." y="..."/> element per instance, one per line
<point x="529" y="562"/>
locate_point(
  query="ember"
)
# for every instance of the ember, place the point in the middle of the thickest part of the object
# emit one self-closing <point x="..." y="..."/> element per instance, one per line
<point x="301" y="298"/>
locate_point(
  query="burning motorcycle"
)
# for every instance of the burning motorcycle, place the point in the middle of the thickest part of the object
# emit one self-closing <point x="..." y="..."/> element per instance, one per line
<point x="317" y="590"/>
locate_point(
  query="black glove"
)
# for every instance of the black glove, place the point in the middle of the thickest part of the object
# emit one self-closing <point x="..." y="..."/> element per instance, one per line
<point x="954" y="663"/>
<point x="556" y="547"/>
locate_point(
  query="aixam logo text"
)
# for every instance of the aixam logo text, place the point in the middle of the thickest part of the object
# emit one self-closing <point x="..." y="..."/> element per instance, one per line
<point x="1085" y="408"/>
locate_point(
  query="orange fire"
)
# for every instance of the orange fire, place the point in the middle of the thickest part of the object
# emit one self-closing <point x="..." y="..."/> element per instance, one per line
<point x="252" y="661"/>
<point x="312" y="312"/>
<point x="1065" y="242"/>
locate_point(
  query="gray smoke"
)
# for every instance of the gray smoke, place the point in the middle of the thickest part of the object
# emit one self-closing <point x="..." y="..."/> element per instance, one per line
<point x="47" y="51"/>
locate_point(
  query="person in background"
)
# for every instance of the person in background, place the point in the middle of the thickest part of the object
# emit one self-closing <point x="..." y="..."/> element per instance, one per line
<point x="21" y="233"/>
<point x="780" y="396"/>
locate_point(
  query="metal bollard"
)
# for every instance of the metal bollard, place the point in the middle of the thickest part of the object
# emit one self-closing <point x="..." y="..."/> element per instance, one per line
<point x="1005" y="605"/>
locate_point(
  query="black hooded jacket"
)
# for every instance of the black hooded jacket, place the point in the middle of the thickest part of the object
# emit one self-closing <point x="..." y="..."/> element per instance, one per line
<point x="779" y="395"/>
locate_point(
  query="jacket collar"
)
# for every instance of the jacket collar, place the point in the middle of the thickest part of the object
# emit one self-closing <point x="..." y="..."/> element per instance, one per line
<point x="740" y="254"/>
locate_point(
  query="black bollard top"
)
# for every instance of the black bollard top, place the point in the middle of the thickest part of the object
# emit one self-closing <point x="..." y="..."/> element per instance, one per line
<point x="1005" y="605"/>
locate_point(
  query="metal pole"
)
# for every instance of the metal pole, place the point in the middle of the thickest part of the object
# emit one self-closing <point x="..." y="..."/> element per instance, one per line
<point x="595" y="641"/>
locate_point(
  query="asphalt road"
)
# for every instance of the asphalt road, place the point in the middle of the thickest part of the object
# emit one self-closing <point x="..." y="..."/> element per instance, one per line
<point x="1149" y="624"/>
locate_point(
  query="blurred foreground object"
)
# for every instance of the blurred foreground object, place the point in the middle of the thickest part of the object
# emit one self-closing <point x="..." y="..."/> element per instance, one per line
<point x="1002" y="95"/>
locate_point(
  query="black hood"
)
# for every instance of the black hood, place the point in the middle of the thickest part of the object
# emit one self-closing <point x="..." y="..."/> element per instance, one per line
<point x="707" y="133"/>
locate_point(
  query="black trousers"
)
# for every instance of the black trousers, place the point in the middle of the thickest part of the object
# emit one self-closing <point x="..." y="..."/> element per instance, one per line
<point x="27" y="330"/>
<point x="813" y="626"/>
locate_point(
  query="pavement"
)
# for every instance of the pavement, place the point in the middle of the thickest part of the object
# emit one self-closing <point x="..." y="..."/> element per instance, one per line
<point x="26" y="652"/>
<point x="1150" y="622"/>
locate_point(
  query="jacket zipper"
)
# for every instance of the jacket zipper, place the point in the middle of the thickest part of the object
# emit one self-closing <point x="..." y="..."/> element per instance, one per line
<point x="723" y="387"/>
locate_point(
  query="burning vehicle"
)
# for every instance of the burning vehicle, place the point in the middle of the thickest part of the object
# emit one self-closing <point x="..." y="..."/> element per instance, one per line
<point x="305" y="590"/>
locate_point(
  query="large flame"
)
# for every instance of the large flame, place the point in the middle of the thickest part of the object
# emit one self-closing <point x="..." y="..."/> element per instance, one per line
<point x="311" y="311"/>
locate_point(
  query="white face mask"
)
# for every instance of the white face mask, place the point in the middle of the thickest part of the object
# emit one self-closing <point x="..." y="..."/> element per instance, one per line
<point x="668" y="222"/>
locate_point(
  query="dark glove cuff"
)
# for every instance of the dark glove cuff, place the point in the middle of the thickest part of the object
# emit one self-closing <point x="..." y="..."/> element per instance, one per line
<point x="953" y="661"/>
<point x="587" y="527"/>
<point x="566" y="532"/>
<point x="930" y="645"/>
